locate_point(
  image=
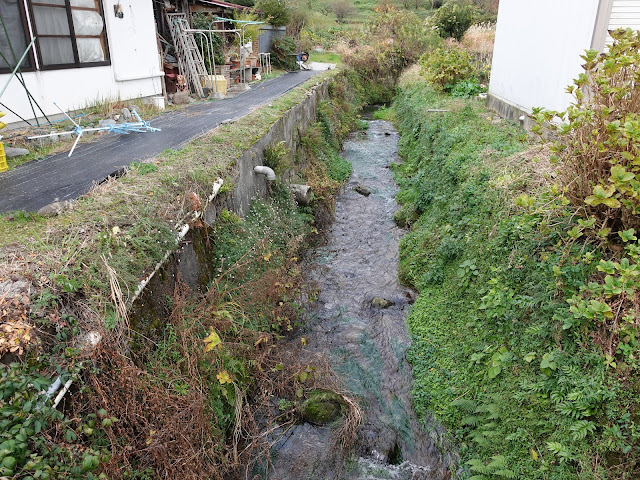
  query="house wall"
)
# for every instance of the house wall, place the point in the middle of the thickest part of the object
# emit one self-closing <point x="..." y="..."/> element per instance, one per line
<point x="134" y="71"/>
<point x="537" y="52"/>
<point x="624" y="14"/>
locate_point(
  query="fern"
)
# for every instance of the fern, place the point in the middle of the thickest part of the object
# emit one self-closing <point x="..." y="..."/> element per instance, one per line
<point x="506" y="473"/>
<point x="495" y="468"/>
<point x="477" y="465"/>
<point x="479" y="437"/>
<point x="471" y="420"/>
<point x="560" y="450"/>
<point x="569" y="410"/>
<point x="465" y="404"/>
<point x="581" y="429"/>
<point x="498" y="461"/>
<point x="493" y="411"/>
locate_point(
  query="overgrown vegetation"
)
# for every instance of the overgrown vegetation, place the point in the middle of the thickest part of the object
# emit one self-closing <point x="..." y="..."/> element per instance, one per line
<point x="445" y="67"/>
<point x="525" y="330"/>
<point x="395" y="39"/>
<point x="186" y="392"/>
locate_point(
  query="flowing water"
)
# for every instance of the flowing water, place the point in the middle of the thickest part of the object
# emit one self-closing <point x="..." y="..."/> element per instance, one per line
<point x="359" y="322"/>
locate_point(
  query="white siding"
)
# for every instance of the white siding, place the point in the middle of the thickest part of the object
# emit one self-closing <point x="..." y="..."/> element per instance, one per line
<point x="537" y="50"/>
<point x="134" y="71"/>
<point x="624" y="14"/>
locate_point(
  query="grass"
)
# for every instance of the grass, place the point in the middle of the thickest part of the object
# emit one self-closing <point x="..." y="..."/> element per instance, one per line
<point x="520" y="393"/>
<point x="326" y="57"/>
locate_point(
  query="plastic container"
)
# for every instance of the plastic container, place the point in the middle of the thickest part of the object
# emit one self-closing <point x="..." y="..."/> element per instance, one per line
<point x="213" y="81"/>
<point x="3" y="159"/>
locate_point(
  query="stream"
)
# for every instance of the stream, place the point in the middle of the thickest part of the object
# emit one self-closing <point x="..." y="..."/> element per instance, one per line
<point x="359" y="323"/>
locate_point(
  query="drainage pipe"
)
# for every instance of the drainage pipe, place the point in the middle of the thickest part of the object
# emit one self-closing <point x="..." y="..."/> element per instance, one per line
<point x="262" y="170"/>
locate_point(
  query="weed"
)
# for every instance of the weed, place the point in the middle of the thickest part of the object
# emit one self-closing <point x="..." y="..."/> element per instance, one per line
<point x="278" y="157"/>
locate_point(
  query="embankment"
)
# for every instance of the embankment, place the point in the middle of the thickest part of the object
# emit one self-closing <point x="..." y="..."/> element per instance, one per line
<point x="523" y="381"/>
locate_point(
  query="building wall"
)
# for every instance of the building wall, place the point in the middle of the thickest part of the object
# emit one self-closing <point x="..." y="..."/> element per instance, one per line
<point x="537" y="51"/>
<point x="624" y="14"/>
<point x="134" y="71"/>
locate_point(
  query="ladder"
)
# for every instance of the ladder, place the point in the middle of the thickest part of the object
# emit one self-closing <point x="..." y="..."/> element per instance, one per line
<point x="190" y="61"/>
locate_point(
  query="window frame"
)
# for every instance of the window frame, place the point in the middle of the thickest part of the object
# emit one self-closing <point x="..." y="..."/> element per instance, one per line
<point x="72" y="36"/>
<point x="28" y="38"/>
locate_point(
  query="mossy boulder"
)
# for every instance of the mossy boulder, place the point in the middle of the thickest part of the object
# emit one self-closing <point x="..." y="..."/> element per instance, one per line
<point x="379" y="302"/>
<point x="322" y="407"/>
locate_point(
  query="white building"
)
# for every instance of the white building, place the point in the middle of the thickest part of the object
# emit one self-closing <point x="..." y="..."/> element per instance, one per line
<point x="86" y="52"/>
<point x="538" y="46"/>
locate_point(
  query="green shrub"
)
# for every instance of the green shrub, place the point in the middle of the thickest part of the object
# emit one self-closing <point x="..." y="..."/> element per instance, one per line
<point x="467" y="88"/>
<point x="283" y="49"/>
<point x="453" y="19"/>
<point x="444" y="67"/>
<point x="278" y="157"/>
<point x="599" y="146"/>
<point x="275" y="11"/>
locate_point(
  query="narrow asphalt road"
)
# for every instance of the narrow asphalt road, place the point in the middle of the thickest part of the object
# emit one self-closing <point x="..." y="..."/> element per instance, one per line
<point x="58" y="177"/>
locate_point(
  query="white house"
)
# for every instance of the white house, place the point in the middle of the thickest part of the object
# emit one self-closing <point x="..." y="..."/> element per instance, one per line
<point x="538" y="46"/>
<point x="86" y="51"/>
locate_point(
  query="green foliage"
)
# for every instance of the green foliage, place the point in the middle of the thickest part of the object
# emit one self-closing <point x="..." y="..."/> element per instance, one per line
<point x="395" y="40"/>
<point x="283" y="50"/>
<point x="275" y="11"/>
<point x="469" y="87"/>
<point x="38" y="441"/>
<point x="206" y="22"/>
<point x="514" y="322"/>
<point x="445" y="67"/>
<point x="278" y="157"/>
<point x="453" y="19"/>
<point x="599" y="145"/>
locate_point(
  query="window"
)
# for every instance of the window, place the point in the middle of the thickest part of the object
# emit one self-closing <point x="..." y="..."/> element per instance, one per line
<point x="69" y="32"/>
<point x="13" y="37"/>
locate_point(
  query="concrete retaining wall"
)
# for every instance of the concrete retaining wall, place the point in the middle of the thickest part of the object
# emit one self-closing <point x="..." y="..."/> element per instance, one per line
<point x="192" y="263"/>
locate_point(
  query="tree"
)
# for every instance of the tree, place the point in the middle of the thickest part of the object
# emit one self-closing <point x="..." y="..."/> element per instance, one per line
<point x="342" y="10"/>
<point x="275" y="11"/>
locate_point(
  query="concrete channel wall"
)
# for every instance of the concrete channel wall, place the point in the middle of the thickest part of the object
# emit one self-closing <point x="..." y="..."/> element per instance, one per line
<point x="192" y="262"/>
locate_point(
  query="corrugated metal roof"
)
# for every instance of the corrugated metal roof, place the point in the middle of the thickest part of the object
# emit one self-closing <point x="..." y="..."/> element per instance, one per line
<point x="223" y="4"/>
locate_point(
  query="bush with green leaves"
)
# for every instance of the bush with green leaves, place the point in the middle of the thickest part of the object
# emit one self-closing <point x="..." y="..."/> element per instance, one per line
<point x="467" y="88"/>
<point x="598" y="145"/>
<point x="38" y="441"/>
<point x="445" y="67"/>
<point x="453" y="19"/>
<point x="205" y="22"/>
<point x="283" y="50"/>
